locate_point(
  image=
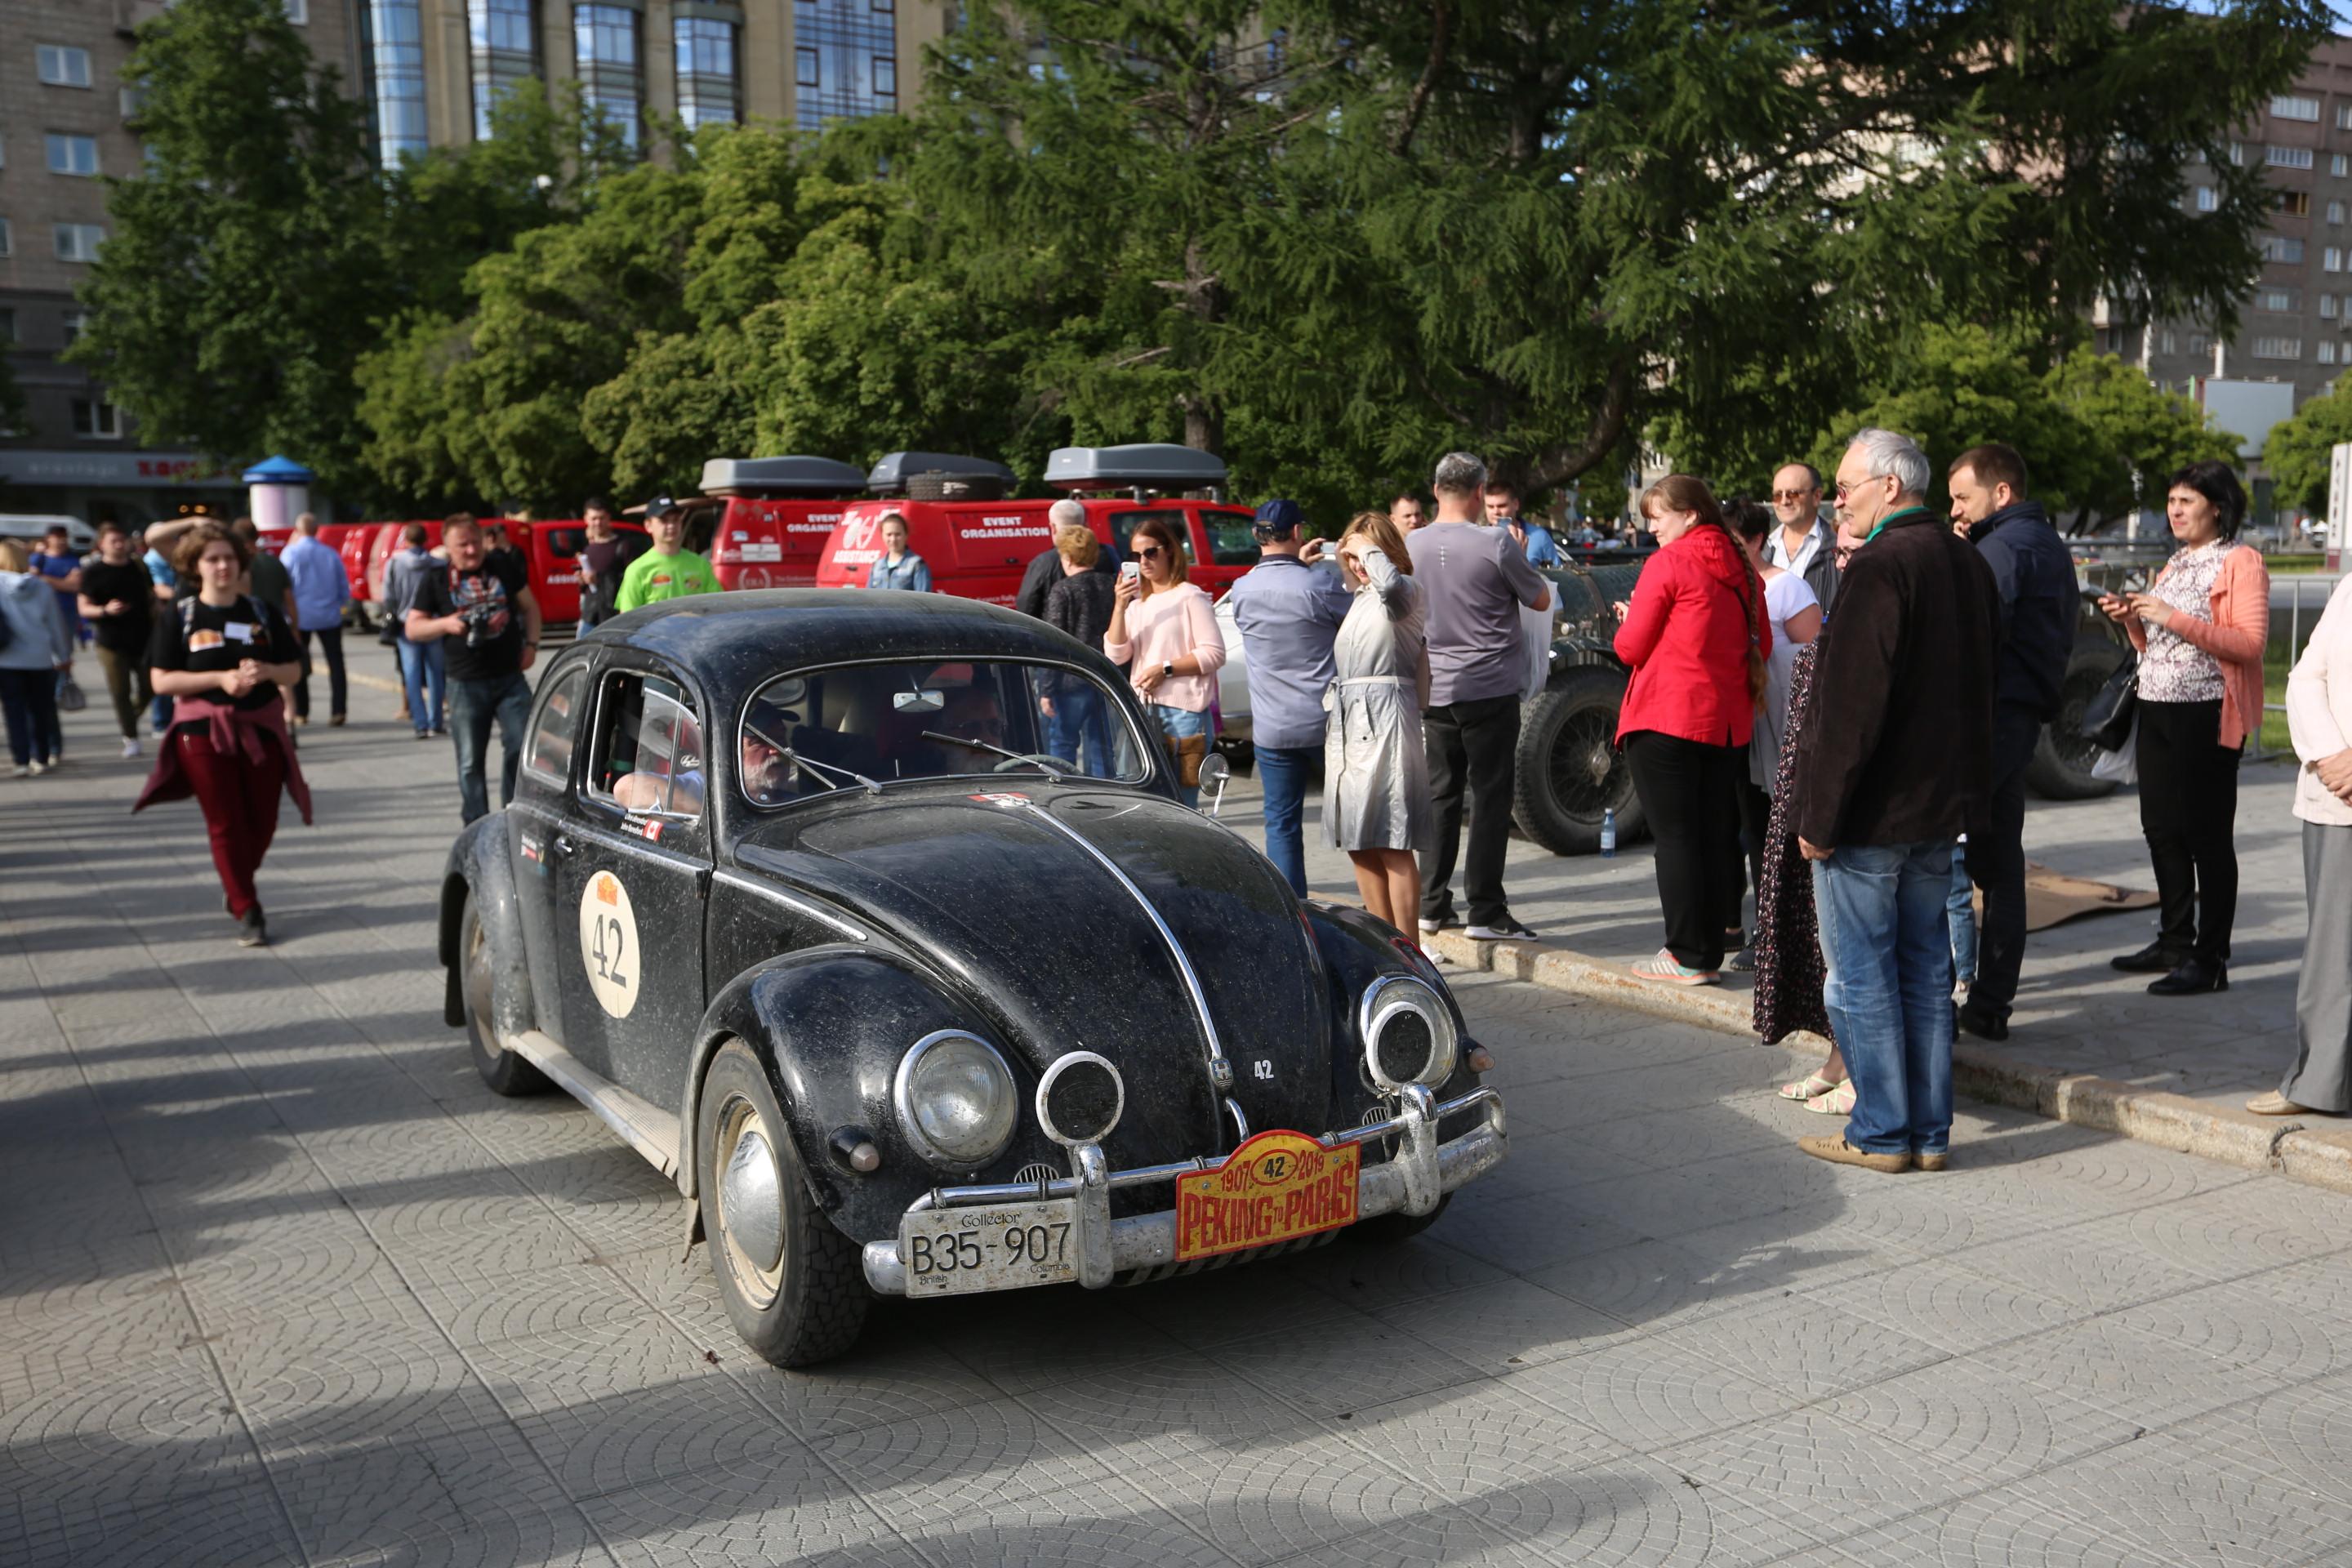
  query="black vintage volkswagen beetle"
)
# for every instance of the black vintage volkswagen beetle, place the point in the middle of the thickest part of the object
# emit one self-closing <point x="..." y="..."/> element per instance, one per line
<point x="791" y="896"/>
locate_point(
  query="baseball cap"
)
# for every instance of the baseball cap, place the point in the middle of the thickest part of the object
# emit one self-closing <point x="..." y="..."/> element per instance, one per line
<point x="661" y="506"/>
<point x="1277" y="517"/>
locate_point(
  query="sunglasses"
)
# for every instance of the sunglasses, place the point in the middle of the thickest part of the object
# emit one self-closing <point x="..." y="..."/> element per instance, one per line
<point x="1791" y="495"/>
<point x="1152" y="554"/>
<point x="1845" y="489"/>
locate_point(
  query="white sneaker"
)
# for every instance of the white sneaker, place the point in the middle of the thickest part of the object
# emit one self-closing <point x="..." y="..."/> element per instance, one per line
<point x="130" y="747"/>
<point x="34" y="769"/>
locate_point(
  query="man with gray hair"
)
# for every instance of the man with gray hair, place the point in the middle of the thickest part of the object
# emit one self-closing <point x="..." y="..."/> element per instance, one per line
<point x="1894" y="763"/>
<point x="1473" y="579"/>
<point x="1045" y="569"/>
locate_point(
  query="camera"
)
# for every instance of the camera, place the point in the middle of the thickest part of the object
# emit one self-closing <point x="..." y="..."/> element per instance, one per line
<point x="481" y="622"/>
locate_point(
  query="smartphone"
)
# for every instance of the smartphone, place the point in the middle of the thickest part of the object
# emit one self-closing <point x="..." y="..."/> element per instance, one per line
<point x="1131" y="570"/>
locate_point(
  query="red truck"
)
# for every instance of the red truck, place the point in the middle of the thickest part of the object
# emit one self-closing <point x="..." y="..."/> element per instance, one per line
<point x="766" y="519"/>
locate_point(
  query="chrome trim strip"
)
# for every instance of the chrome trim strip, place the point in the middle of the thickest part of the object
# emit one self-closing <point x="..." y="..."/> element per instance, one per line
<point x="1411" y="994"/>
<point x="1220" y="1071"/>
<point x="1423" y="1172"/>
<point x="741" y="883"/>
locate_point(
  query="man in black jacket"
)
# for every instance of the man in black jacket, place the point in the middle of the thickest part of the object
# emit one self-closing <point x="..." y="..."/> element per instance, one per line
<point x="1892" y="768"/>
<point x="1045" y="569"/>
<point x="2035" y="579"/>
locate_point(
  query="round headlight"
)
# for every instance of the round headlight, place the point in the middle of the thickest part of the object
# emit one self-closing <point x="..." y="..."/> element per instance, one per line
<point x="1408" y="1032"/>
<point x="955" y="1100"/>
<point x="1079" y="1098"/>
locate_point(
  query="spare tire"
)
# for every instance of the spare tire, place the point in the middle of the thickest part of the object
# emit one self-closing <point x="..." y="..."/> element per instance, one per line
<point x="1568" y="771"/>
<point x="935" y="485"/>
<point x="2063" y="754"/>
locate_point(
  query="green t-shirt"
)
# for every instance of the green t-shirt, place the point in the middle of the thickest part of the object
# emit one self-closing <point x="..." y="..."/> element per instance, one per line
<point x="653" y="577"/>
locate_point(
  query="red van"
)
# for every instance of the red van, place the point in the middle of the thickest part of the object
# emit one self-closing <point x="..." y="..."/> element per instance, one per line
<point x="767" y="519"/>
<point x="978" y="549"/>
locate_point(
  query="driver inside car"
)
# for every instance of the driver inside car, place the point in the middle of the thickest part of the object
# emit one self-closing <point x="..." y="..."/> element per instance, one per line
<point x="972" y="713"/>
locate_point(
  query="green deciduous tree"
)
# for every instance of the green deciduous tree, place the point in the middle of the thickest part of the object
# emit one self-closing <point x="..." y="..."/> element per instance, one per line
<point x="2296" y="450"/>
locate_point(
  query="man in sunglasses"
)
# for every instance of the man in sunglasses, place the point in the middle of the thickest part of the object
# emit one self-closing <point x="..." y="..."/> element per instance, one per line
<point x="1804" y="542"/>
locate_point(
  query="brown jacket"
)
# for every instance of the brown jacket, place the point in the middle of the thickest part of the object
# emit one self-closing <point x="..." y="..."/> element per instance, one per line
<point x="1898" y="744"/>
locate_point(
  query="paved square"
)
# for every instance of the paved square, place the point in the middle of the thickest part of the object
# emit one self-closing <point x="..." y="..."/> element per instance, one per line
<point x="281" y="1282"/>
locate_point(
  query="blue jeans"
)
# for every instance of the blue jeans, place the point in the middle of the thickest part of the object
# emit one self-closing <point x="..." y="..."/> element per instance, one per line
<point x="1080" y="720"/>
<point x="423" y="667"/>
<point x="472" y="705"/>
<point x="1960" y="909"/>
<point x="1282" y="770"/>
<point x="1179" y="724"/>
<point x="1888" y="942"/>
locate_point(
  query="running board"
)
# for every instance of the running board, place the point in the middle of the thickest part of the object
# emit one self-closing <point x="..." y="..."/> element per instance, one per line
<point x="650" y="1131"/>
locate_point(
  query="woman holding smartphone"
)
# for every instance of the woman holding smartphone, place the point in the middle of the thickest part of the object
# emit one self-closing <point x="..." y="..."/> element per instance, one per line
<point x="2200" y="628"/>
<point x="221" y="656"/>
<point x="1163" y="628"/>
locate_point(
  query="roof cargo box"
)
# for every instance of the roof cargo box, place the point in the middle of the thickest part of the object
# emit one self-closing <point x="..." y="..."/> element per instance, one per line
<point x="1146" y="466"/>
<point x="890" y="475"/>
<point x="780" y="477"/>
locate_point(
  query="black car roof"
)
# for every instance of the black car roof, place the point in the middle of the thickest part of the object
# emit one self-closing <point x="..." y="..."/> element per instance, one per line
<point x="732" y="640"/>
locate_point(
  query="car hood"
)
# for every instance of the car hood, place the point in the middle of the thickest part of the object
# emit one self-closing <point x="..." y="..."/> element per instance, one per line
<point x="1007" y="896"/>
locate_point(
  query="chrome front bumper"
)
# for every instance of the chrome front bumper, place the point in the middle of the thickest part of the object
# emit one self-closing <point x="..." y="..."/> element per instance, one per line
<point x="1423" y="1172"/>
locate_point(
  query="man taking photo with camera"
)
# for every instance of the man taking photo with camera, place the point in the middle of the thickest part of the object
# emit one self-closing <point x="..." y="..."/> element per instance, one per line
<point x="482" y="607"/>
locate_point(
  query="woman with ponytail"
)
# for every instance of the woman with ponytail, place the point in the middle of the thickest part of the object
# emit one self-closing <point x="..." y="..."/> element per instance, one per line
<point x="1696" y="638"/>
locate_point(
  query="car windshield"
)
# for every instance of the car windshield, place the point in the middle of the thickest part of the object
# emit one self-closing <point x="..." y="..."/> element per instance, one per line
<point x="823" y="729"/>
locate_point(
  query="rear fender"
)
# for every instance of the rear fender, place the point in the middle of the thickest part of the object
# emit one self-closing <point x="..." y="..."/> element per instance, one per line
<point x="830" y="1024"/>
<point x="480" y="868"/>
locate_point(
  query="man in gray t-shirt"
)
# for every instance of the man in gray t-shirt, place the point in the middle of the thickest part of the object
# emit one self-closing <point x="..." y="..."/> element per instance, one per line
<point x="1473" y="579"/>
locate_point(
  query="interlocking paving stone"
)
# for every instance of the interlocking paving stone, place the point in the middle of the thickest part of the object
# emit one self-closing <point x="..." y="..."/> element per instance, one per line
<point x="1649" y="1395"/>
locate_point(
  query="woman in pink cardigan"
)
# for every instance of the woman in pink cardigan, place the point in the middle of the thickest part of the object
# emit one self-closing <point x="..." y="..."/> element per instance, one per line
<point x="2199" y="629"/>
<point x="1165" y="629"/>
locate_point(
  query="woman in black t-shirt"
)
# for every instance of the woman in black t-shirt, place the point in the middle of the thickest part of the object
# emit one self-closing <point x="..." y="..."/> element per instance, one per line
<point x="222" y="656"/>
<point x="118" y="600"/>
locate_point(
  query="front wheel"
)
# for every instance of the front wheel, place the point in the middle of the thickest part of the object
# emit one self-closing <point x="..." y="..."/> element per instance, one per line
<point x="793" y="1284"/>
<point x="506" y="1072"/>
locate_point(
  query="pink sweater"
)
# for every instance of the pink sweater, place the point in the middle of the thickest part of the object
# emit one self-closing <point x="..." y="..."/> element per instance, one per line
<point x="2233" y="632"/>
<point x="1173" y="624"/>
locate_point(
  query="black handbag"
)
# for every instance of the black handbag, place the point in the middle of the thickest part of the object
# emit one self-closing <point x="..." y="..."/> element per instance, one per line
<point x="2107" y="717"/>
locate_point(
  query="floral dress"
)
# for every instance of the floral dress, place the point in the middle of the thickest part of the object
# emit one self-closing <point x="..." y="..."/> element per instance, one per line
<point x="1789" y="971"/>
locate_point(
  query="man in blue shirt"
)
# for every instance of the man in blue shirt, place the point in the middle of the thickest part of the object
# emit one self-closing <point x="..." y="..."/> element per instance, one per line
<point x="56" y="561"/>
<point x="1289" y="614"/>
<point x="322" y="589"/>
<point x="1535" y="539"/>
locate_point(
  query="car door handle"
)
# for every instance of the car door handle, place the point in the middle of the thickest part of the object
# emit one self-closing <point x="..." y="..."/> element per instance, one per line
<point x="564" y="845"/>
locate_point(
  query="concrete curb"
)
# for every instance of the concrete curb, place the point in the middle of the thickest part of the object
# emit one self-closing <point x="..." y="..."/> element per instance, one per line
<point x="2320" y="1156"/>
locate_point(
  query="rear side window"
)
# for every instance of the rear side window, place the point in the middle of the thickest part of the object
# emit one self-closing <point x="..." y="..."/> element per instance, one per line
<point x="548" y="758"/>
<point x="649" y="755"/>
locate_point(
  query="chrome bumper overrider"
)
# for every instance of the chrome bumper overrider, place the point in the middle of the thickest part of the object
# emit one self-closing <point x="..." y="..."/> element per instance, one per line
<point x="1423" y="1172"/>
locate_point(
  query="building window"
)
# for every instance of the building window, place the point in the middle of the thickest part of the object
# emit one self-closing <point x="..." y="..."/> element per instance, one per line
<point x="391" y="61"/>
<point x="2208" y="198"/>
<point x="2323" y="351"/>
<point x="2237" y="151"/>
<point x="2344" y="117"/>
<point x="502" y="40"/>
<point x="804" y="68"/>
<point x="604" y="47"/>
<point x="63" y="67"/>
<point x="298" y="12"/>
<point x="2328" y="306"/>
<point x="76" y="322"/>
<point x="2294" y="203"/>
<point x="79" y="241"/>
<point x="2337" y="165"/>
<point x="7" y="326"/>
<point x="2290" y="106"/>
<point x="706" y="71"/>
<point x="2278" y="348"/>
<point x="72" y="154"/>
<point x="2335" y="212"/>
<point x="2276" y="300"/>
<point x="2282" y="247"/>
<point x="843" y="45"/>
<point x="2287" y="157"/>
<point x="2331" y="259"/>
<point x="96" y="418"/>
<point x="7" y="239"/>
<point x="2197" y="344"/>
<point x="2167" y="340"/>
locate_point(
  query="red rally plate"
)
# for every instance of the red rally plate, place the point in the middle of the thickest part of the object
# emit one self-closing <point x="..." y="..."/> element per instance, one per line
<point x="1276" y="1186"/>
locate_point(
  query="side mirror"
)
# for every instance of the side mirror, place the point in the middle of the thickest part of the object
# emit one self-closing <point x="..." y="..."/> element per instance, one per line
<point x="1215" y="773"/>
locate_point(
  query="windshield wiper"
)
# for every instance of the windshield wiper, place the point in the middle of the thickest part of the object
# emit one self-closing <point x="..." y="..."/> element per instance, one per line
<point x="810" y="766"/>
<point x="1000" y="750"/>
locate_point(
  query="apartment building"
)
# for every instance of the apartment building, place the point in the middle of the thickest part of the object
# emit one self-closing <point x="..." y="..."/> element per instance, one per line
<point x="2296" y="329"/>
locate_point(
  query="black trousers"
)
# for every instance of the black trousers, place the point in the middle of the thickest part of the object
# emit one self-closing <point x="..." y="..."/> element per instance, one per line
<point x="1689" y="797"/>
<point x="330" y="643"/>
<point x="1755" y="809"/>
<point x="1997" y="865"/>
<point x="1470" y="744"/>
<point x="2189" y="810"/>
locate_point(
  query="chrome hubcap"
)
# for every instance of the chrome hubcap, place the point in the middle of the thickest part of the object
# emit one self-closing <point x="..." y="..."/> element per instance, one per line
<point x="750" y="1200"/>
<point x="478" y="982"/>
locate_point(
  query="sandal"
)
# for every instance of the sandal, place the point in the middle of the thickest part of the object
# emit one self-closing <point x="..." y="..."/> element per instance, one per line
<point x="1810" y="1086"/>
<point x="1838" y="1101"/>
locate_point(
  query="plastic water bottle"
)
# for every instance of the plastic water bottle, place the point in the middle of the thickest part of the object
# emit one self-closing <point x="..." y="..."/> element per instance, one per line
<point x="1609" y="833"/>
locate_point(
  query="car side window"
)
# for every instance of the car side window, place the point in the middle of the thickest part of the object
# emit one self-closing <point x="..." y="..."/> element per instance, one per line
<point x="548" y="757"/>
<point x="1232" y="541"/>
<point x="1123" y="525"/>
<point x="649" y="755"/>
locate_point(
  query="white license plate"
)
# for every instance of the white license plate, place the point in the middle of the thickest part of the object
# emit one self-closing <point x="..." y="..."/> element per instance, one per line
<point x="952" y="1252"/>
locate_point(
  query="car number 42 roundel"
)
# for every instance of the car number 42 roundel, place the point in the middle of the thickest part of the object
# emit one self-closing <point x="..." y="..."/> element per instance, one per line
<point x="608" y="943"/>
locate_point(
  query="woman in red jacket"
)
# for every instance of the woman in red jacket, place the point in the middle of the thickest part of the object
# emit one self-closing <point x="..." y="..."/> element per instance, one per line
<point x="1696" y="638"/>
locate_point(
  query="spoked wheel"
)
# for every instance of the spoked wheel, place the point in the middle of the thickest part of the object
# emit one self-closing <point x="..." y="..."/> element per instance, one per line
<point x="1569" y="774"/>
<point x="506" y="1072"/>
<point x="793" y="1284"/>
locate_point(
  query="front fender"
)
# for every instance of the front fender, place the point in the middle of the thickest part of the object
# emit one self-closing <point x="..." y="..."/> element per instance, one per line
<point x="480" y="868"/>
<point x="830" y="1024"/>
<point x="1358" y="949"/>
